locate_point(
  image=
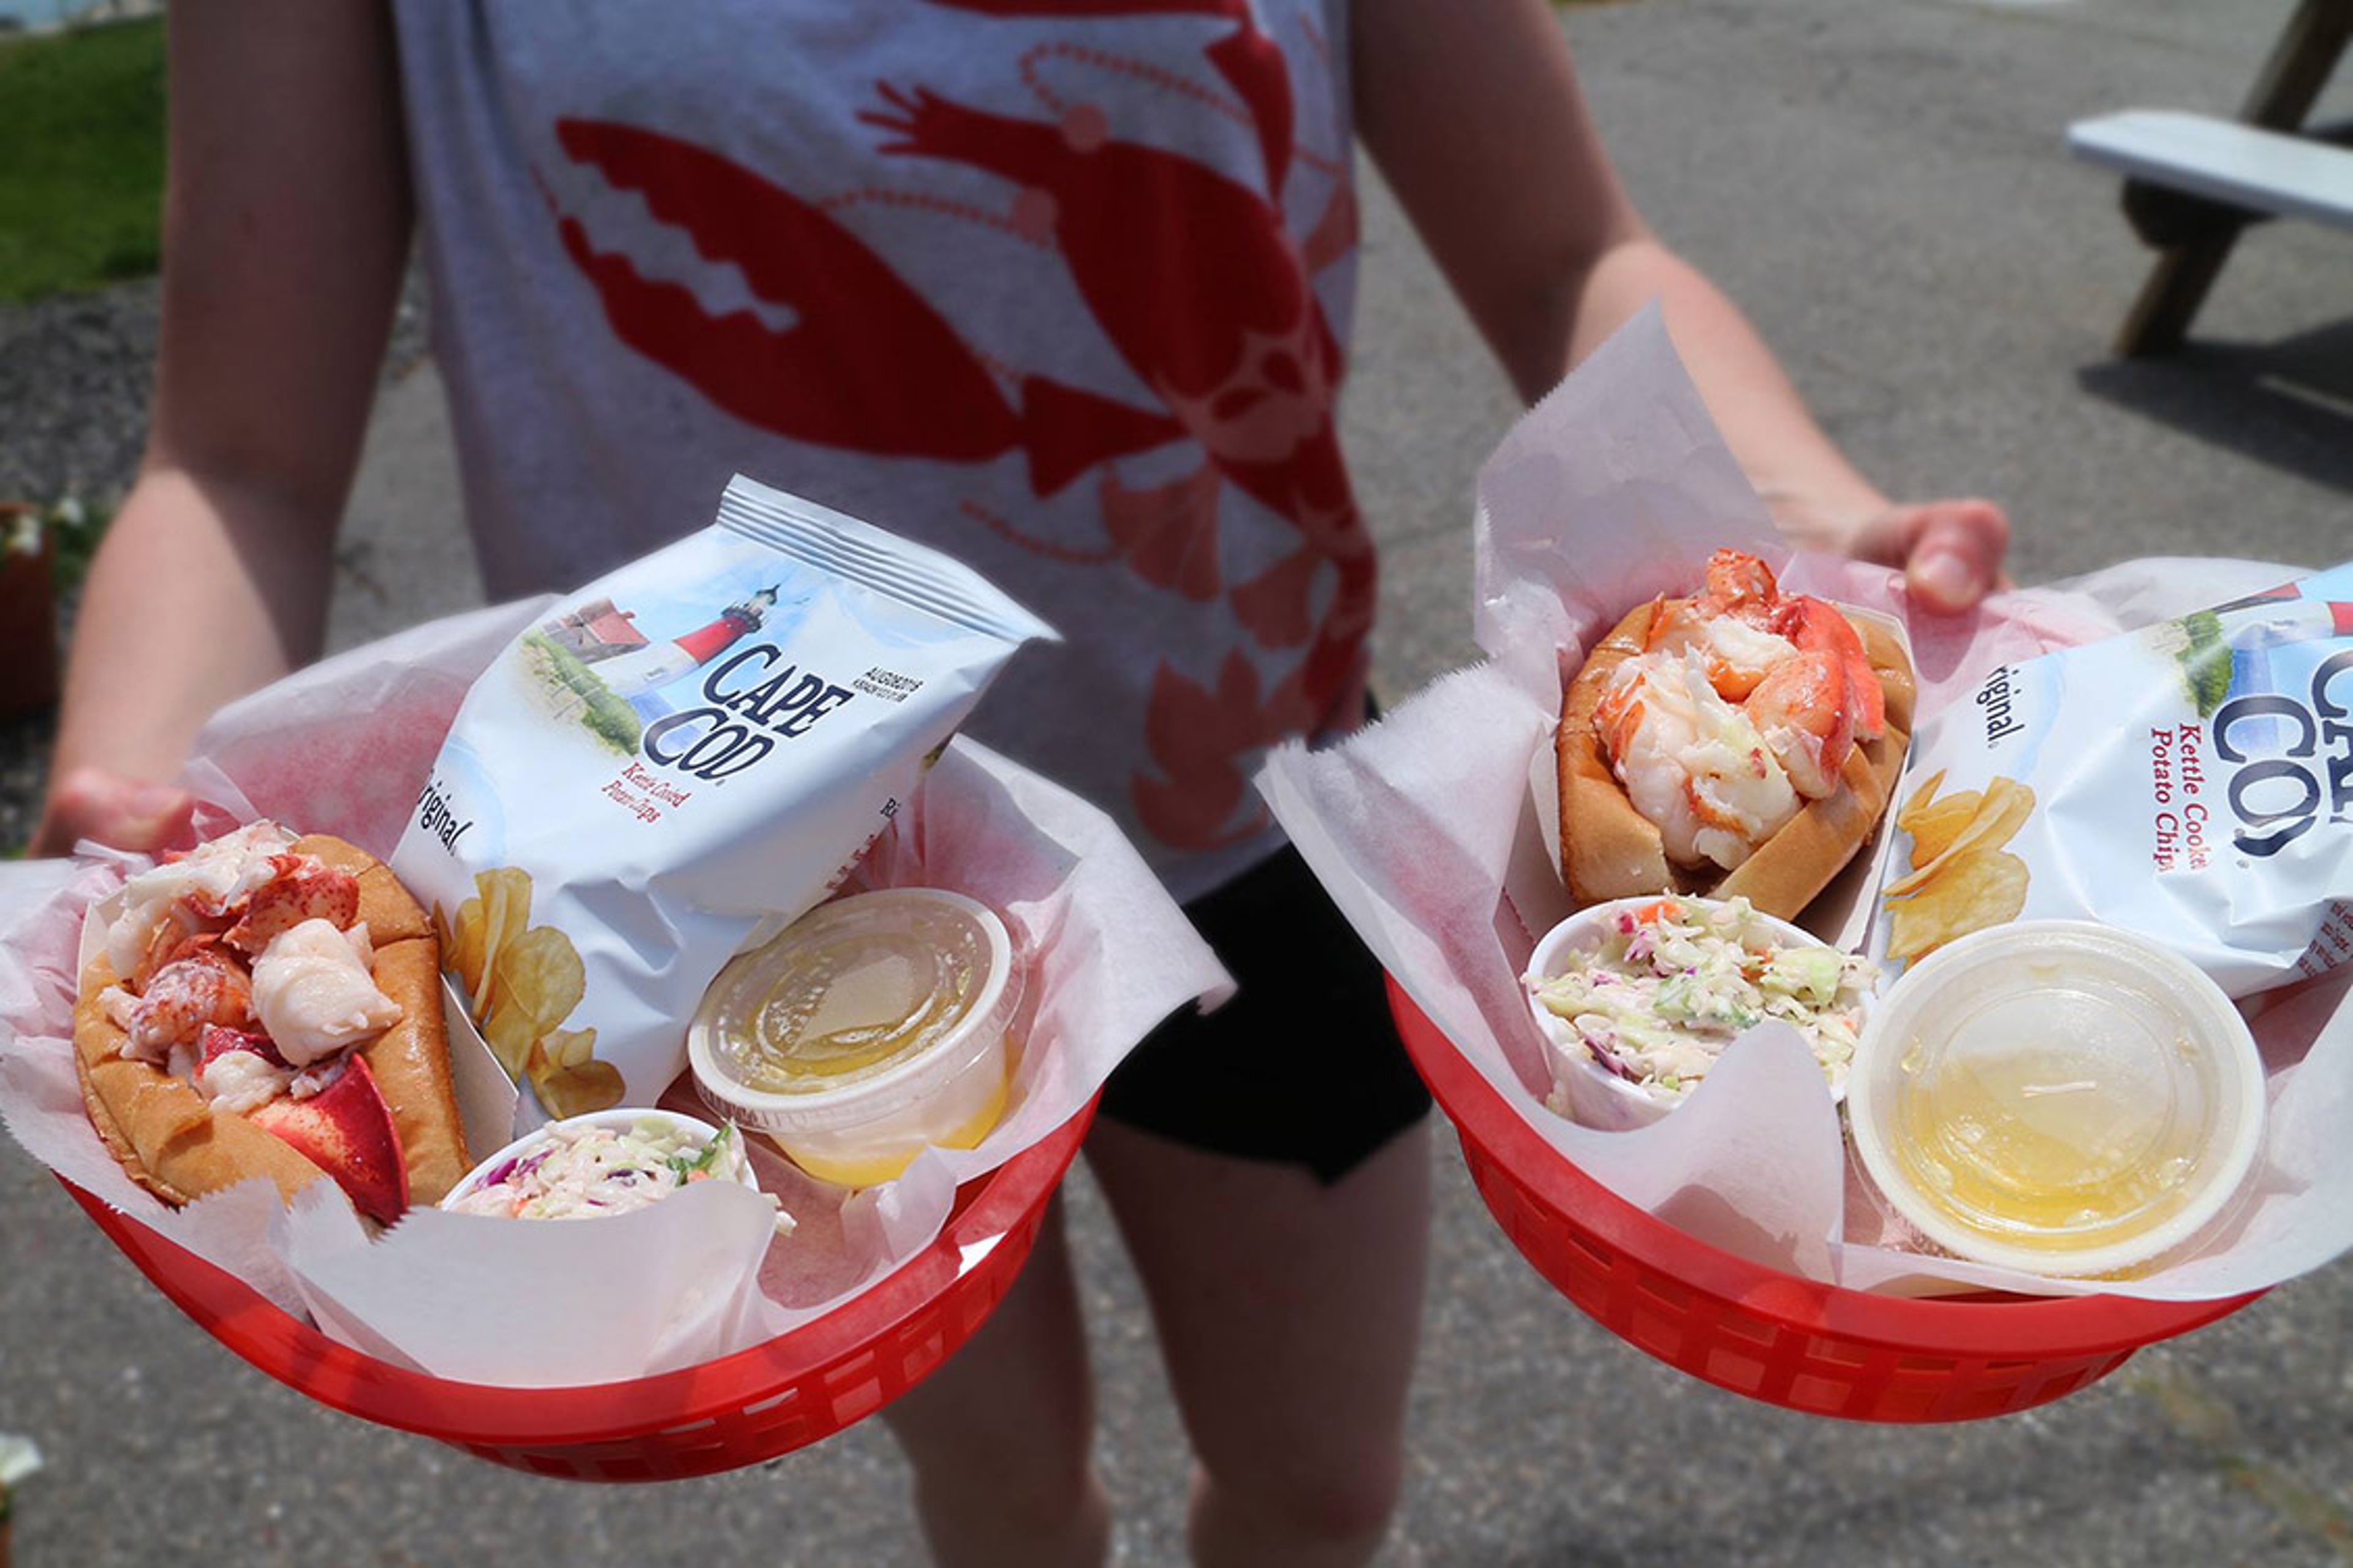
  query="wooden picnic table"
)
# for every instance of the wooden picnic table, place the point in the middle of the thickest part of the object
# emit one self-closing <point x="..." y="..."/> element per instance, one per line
<point x="2194" y="182"/>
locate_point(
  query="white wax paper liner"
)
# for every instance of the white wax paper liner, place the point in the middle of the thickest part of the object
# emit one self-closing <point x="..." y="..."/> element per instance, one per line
<point x="1613" y="489"/>
<point x="341" y="748"/>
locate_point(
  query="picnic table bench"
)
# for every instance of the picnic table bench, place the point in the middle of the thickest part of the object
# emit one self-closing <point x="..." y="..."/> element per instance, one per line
<point x="2193" y="182"/>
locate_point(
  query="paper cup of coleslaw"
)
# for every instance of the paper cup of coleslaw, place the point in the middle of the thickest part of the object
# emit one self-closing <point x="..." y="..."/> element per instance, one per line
<point x="604" y="1162"/>
<point x="1638" y="998"/>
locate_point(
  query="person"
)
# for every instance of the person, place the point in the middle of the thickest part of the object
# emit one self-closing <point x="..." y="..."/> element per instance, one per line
<point x="1060" y="286"/>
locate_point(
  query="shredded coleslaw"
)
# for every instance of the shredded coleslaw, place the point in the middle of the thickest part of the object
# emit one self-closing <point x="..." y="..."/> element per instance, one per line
<point x="1674" y="983"/>
<point x="587" y="1171"/>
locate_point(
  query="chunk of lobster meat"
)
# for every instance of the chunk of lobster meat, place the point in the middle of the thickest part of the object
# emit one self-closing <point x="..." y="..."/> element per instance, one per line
<point x="346" y="1130"/>
<point x="1740" y="586"/>
<point x="215" y="876"/>
<point x="315" y="994"/>
<point x="174" y="938"/>
<point x="121" y="1006"/>
<point x="192" y="892"/>
<point x="1618" y="717"/>
<point x="218" y="1040"/>
<point x="238" y="1077"/>
<point x="1692" y="764"/>
<point x="207" y="987"/>
<point x="1814" y="626"/>
<point x="300" y="888"/>
<point x="1738" y="655"/>
<point x="1805" y="711"/>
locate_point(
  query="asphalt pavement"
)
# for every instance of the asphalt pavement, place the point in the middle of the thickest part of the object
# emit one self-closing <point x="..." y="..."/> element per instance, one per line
<point x="1883" y="187"/>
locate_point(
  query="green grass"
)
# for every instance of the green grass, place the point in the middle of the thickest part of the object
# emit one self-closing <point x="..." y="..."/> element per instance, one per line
<point x="609" y="717"/>
<point x="81" y="158"/>
<point x="2206" y="662"/>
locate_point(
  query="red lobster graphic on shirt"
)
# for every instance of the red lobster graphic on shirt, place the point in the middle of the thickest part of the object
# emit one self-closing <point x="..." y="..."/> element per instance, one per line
<point x="868" y="365"/>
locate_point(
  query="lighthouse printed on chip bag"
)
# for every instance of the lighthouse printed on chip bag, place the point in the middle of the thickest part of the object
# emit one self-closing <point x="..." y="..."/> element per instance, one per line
<point x="675" y="762"/>
<point x="628" y="664"/>
<point x="2191" y="782"/>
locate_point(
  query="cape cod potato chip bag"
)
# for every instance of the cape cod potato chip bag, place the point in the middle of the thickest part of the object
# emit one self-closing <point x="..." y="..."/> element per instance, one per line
<point x="679" y="759"/>
<point x="2192" y="782"/>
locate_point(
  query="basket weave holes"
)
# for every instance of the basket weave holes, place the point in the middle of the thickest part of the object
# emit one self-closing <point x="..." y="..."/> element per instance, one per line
<point x="1734" y="1369"/>
<point x="854" y="1388"/>
<point x="782" y="1396"/>
<point x="1818" y="1395"/>
<point x="1836" y="1353"/>
<point x="923" y="1356"/>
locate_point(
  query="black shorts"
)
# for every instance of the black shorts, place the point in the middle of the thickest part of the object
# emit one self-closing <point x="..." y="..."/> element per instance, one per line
<point x="1304" y="1066"/>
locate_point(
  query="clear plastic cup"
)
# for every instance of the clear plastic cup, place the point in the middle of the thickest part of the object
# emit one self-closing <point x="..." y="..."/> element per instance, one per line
<point x="2056" y="1097"/>
<point x="873" y="1026"/>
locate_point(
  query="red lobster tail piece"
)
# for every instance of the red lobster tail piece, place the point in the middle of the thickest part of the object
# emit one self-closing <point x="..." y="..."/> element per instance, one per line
<point x="347" y="1131"/>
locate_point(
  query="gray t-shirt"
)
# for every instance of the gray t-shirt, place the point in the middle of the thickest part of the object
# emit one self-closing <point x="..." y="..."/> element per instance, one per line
<point x="1057" y="286"/>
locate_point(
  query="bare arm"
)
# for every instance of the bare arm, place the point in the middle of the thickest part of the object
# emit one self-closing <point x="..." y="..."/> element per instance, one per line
<point x="1473" y="112"/>
<point x="286" y="225"/>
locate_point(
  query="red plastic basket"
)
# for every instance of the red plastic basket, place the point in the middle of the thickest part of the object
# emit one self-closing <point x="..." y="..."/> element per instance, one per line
<point x="1775" y="1337"/>
<point x="737" y="1411"/>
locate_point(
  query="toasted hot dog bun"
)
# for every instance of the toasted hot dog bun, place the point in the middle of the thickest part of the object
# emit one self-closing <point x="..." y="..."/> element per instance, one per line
<point x="1609" y="850"/>
<point x="172" y="1142"/>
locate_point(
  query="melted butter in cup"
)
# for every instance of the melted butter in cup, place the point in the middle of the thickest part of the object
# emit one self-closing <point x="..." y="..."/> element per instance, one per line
<point x="2057" y="1097"/>
<point x="860" y="989"/>
<point x="870" y="1028"/>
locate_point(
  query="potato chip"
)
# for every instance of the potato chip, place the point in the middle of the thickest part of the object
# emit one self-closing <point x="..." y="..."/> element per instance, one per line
<point x="563" y="1049"/>
<point x="2009" y="803"/>
<point x="1934" y="828"/>
<point x="494" y="921"/>
<point x="511" y="1030"/>
<point x="575" y="1091"/>
<point x="539" y="972"/>
<point x="464" y="954"/>
<point x="567" y="1078"/>
<point x="1920" y="799"/>
<point x="506" y="912"/>
<point x="1967" y="892"/>
<point x="2000" y="813"/>
<point x="535" y="983"/>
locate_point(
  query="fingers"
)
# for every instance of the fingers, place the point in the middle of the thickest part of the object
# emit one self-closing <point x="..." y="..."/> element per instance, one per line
<point x="1956" y="553"/>
<point x="1951" y="550"/>
<point x="127" y="814"/>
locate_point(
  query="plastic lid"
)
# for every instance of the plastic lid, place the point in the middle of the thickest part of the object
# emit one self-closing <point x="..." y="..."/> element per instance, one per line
<point x="2057" y="1097"/>
<point x="878" y="997"/>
